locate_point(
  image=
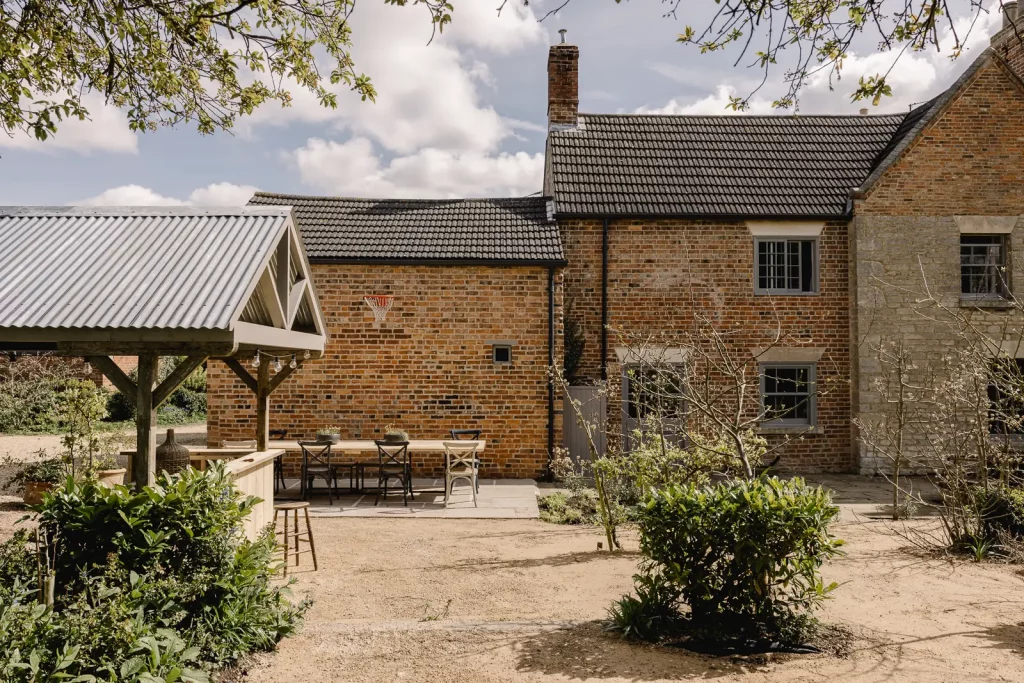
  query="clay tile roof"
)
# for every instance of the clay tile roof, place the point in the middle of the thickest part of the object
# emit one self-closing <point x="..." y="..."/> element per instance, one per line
<point x="737" y="166"/>
<point x="514" y="231"/>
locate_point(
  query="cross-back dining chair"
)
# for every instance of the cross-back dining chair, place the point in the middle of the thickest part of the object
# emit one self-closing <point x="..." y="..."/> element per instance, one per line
<point x="393" y="463"/>
<point x="460" y="463"/>
<point x="316" y="464"/>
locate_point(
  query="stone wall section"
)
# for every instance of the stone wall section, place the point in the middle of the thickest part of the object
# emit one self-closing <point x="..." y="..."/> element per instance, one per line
<point x="965" y="169"/>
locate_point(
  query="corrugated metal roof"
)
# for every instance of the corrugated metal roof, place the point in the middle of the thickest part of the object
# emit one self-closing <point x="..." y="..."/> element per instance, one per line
<point x="131" y="267"/>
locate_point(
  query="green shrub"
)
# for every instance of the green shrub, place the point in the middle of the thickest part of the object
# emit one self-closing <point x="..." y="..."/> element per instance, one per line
<point x="47" y="470"/>
<point x="186" y="404"/>
<point x="17" y="562"/>
<point x="744" y="556"/>
<point x="30" y="392"/>
<point x="652" y="614"/>
<point x="577" y="507"/>
<point x="1001" y="509"/>
<point x="160" y="583"/>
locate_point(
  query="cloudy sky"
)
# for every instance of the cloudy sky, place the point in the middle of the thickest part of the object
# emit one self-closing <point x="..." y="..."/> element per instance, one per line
<point x="463" y="116"/>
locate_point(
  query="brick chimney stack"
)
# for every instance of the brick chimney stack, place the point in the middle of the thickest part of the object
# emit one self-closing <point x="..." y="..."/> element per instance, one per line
<point x="563" y="84"/>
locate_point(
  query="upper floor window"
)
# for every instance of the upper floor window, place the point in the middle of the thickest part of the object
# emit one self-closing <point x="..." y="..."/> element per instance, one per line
<point x="786" y="266"/>
<point x="983" y="266"/>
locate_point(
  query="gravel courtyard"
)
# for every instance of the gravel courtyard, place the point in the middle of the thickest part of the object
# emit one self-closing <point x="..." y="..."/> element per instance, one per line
<point x="513" y="600"/>
<point x="520" y="600"/>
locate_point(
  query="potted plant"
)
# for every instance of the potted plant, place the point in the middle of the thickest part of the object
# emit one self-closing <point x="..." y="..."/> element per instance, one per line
<point x="36" y="477"/>
<point x="328" y="435"/>
<point x="392" y="433"/>
<point x="106" y="471"/>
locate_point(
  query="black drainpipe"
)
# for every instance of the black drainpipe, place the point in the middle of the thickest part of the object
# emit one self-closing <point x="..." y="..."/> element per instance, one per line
<point x="604" y="300"/>
<point x="551" y="362"/>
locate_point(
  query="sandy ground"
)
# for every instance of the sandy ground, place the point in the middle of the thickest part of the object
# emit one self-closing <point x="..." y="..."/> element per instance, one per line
<point x="513" y="600"/>
<point x="520" y="600"/>
<point x="516" y="600"/>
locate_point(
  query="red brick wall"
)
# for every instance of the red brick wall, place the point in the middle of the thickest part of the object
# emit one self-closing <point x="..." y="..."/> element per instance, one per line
<point x="968" y="161"/>
<point x="428" y="369"/>
<point x="656" y="266"/>
<point x="563" y="84"/>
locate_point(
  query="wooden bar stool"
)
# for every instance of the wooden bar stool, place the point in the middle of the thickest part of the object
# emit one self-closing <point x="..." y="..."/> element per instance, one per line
<point x="304" y="537"/>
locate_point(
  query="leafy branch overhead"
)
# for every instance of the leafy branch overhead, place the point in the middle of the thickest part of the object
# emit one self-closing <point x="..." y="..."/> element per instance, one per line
<point x="165" y="62"/>
<point x="820" y="34"/>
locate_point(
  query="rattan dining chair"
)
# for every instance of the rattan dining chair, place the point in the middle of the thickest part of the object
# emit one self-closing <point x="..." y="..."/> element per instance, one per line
<point x="460" y="462"/>
<point x="316" y="464"/>
<point x="393" y="463"/>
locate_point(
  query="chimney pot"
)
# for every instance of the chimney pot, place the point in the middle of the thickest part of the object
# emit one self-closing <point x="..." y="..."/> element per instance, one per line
<point x="563" y="84"/>
<point x="864" y="112"/>
<point x="1009" y="13"/>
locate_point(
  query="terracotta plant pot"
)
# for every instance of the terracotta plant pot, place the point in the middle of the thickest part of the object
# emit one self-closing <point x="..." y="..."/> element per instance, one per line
<point x="34" y="491"/>
<point x="111" y="478"/>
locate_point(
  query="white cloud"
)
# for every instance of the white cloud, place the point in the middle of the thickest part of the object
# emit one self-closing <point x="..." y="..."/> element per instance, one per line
<point x="215" y="194"/>
<point x="106" y="130"/>
<point x="354" y="168"/>
<point x="428" y="95"/>
<point x="915" y="78"/>
<point x="711" y="105"/>
<point x="429" y="114"/>
<point x="221" y="194"/>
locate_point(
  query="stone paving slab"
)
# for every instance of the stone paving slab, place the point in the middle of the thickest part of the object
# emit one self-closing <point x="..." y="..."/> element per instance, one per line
<point x="497" y="499"/>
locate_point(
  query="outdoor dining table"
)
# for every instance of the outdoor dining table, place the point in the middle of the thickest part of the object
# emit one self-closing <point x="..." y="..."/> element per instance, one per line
<point x="359" y="446"/>
<point x="200" y="456"/>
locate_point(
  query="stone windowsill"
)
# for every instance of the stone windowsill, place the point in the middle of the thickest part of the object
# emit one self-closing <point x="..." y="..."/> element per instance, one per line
<point x="988" y="303"/>
<point x="791" y="431"/>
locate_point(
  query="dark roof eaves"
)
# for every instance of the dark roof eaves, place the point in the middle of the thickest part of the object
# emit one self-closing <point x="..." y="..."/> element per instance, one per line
<point x="739" y="117"/>
<point x="706" y="216"/>
<point x="306" y="198"/>
<point x="939" y="105"/>
<point x="378" y="261"/>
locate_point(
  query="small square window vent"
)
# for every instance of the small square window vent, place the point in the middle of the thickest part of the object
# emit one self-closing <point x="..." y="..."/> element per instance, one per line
<point x="502" y="353"/>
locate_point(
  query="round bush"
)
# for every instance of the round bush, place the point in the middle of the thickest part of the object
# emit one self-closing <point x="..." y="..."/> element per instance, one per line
<point x="743" y="556"/>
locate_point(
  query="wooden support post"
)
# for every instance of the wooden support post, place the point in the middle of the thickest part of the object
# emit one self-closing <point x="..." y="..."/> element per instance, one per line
<point x="263" y="390"/>
<point x="144" y="460"/>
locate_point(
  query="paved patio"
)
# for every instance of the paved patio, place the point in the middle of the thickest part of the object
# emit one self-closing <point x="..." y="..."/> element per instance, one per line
<point x="498" y="499"/>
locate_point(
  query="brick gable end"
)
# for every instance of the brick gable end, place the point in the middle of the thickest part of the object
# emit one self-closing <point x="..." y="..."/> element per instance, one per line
<point x="967" y="161"/>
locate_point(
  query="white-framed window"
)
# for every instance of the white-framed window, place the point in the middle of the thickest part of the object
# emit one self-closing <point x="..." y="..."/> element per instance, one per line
<point x="653" y="402"/>
<point x="788" y="395"/>
<point x="653" y="392"/>
<point x="786" y="266"/>
<point x="983" y="266"/>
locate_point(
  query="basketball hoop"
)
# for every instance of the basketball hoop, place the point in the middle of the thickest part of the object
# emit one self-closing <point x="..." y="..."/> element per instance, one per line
<point x="380" y="304"/>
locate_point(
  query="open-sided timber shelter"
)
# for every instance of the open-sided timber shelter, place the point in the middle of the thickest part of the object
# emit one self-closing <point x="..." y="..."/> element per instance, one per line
<point x="151" y="282"/>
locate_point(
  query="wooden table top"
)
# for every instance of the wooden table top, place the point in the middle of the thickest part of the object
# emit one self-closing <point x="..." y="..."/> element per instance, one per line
<point x="367" y="445"/>
<point x="343" y="446"/>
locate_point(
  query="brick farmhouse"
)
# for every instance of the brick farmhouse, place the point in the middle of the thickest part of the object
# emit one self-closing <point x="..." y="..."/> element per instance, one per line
<point x="823" y="224"/>
<point x="468" y="341"/>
